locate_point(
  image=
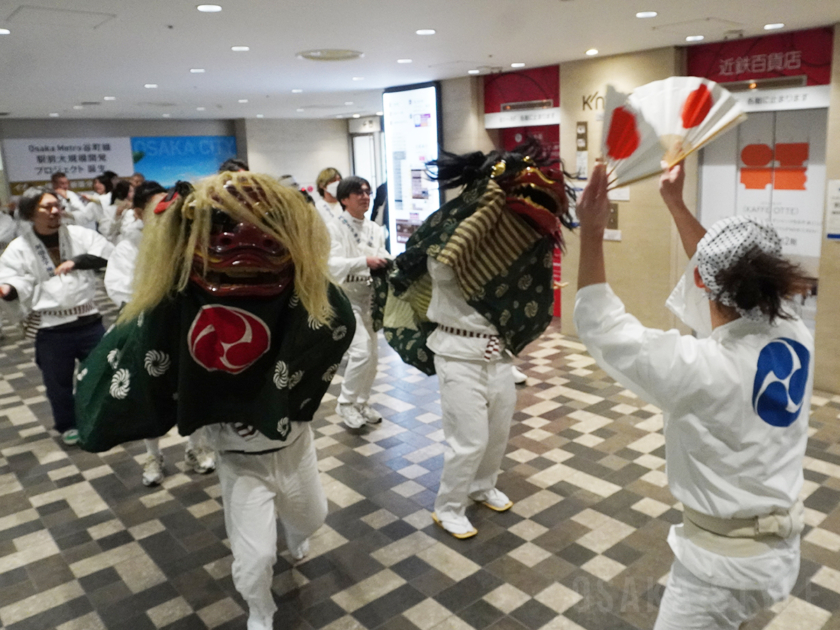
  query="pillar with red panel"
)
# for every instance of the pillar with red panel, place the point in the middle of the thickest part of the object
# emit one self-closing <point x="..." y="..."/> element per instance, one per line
<point x="521" y="104"/>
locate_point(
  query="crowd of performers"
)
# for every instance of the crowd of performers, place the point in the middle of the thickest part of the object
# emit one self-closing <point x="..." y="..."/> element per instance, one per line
<point x="241" y="298"/>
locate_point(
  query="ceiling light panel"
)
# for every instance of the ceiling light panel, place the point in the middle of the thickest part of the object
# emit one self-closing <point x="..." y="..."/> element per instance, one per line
<point x="209" y="8"/>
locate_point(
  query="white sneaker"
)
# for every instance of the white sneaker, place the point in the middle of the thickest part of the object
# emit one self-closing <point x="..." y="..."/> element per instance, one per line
<point x="300" y="552"/>
<point x="153" y="470"/>
<point x="256" y="622"/>
<point x="201" y="460"/>
<point x="371" y="415"/>
<point x="350" y="415"/>
<point x="459" y="526"/>
<point x="519" y="376"/>
<point x="495" y="499"/>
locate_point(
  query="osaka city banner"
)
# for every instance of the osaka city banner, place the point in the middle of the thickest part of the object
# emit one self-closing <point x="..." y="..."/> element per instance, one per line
<point x="167" y="159"/>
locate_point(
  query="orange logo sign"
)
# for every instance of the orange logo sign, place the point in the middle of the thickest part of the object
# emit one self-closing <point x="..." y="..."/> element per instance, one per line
<point x="782" y="168"/>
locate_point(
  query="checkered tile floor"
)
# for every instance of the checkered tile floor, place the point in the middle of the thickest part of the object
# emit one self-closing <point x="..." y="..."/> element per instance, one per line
<point x="85" y="546"/>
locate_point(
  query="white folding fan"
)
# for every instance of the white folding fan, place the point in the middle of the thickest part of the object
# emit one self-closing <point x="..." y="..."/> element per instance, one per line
<point x="663" y="121"/>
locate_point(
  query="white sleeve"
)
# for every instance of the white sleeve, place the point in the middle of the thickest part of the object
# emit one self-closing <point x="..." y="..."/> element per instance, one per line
<point x="87" y="241"/>
<point x="660" y="366"/>
<point x="380" y="243"/>
<point x="119" y="274"/>
<point x="690" y="303"/>
<point x="341" y="265"/>
<point x="15" y="271"/>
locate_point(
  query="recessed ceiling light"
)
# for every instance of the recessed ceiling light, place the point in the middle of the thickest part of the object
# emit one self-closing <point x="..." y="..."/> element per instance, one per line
<point x="380" y="113"/>
<point x="54" y="115"/>
<point x="426" y="31"/>
<point x="300" y="109"/>
<point x="150" y="86"/>
<point x="358" y="78"/>
<point x="5" y="31"/>
<point x="330" y="54"/>
<point x="209" y="8"/>
<point x="110" y="98"/>
<point x="166" y="115"/>
<point x="695" y="38"/>
<point x="240" y="48"/>
<point x="517" y="64"/>
<point x="78" y="107"/>
<point x="200" y="109"/>
<point x="297" y="91"/>
<point x="473" y="71"/>
<point x="646" y="14"/>
<point x="591" y="52"/>
<point x="243" y="100"/>
<point x="403" y="60"/>
<point x="348" y="102"/>
<point x="197" y="70"/>
<point x="773" y="27"/>
<point x="357" y="115"/>
<point x="260" y="115"/>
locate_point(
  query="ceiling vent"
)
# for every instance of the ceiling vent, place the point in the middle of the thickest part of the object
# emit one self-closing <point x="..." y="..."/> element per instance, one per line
<point x="59" y="18"/>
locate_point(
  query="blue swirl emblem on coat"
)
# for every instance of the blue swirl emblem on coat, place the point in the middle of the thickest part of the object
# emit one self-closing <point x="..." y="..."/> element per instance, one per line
<point x="780" y="381"/>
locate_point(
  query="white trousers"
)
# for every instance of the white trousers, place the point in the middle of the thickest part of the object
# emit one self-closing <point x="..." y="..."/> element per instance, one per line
<point x="477" y="400"/>
<point x="362" y="359"/>
<point x="255" y="490"/>
<point x="690" y="603"/>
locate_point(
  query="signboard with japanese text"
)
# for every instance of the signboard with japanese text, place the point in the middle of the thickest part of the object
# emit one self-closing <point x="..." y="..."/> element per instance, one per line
<point x="810" y="97"/>
<point x="167" y="159"/>
<point x="32" y="162"/>
<point x="523" y="118"/>
<point x="799" y="53"/>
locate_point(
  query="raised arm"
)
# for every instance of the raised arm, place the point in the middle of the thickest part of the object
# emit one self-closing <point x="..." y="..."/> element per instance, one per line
<point x="593" y="211"/>
<point x="671" y="189"/>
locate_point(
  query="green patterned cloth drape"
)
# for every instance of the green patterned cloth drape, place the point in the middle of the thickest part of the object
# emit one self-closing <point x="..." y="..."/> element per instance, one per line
<point x="503" y="266"/>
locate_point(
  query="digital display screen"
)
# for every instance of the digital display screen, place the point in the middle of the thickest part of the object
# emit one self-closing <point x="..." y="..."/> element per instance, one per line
<point x="412" y="137"/>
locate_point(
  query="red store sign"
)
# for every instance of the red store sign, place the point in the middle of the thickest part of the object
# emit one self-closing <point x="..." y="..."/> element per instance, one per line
<point x="793" y="54"/>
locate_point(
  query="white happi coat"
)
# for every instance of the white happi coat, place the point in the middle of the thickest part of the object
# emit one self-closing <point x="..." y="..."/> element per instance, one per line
<point x="119" y="275"/>
<point x="352" y="241"/>
<point x="329" y="211"/>
<point x="731" y="452"/>
<point x="40" y="291"/>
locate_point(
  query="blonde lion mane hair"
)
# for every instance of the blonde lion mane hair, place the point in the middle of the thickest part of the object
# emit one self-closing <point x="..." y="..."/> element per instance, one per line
<point x="165" y="259"/>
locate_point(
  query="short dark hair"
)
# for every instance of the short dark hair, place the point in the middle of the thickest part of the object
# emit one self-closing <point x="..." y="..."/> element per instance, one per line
<point x="145" y="191"/>
<point x="121" y="190"/>
<point x="30" y="199"/>
<point x="234" y="165"/>
<point x="105" y="181"/>
<point x="56" y="175"/>
<point x="350" y="185"/>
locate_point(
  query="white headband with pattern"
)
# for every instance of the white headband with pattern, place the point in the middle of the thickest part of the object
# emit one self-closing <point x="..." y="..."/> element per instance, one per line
<point x="723" y="245"/>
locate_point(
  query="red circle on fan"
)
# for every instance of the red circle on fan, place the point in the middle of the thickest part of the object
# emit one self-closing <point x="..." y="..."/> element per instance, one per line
<point x="623" y="137"/>
<point x="227" y="339"/>
<point x="697" y="106"/>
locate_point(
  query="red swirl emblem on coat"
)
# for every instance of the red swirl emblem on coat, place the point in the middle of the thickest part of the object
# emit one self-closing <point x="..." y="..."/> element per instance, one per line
<point x="227" y="338"/>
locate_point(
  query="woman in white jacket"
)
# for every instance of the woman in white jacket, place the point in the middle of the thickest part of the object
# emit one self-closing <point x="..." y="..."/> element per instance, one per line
<point x="735" y="400"/>
<point x="46" y="275"/>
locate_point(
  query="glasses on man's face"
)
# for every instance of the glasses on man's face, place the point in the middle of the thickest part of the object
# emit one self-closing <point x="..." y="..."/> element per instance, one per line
<point x="49" y="207"/>
<point x="364" y="192"/>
